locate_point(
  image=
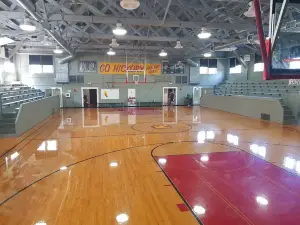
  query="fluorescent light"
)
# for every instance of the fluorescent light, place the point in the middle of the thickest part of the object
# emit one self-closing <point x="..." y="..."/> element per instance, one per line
<point x="207" y="54"/>
<point x="163" y="53"/>
<point x="27" y="26"/>
<point x="198" y="209"/>
<point x="204" y="34"/>
<point x="57" y="50"/>
<point x="122" y="218"/>
<point x="162" y="161"/>
<point x="111" y="52"/>
<point x="63" y="168"/>
<point x="5" y="41"/>
<point x="119" y="30"/>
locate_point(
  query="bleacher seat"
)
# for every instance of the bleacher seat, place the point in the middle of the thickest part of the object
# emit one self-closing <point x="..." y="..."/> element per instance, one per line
<point x="12" y="96"/>
<point x="278" y="89"/>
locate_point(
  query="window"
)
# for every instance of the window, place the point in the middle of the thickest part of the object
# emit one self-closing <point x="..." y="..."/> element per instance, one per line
<point x="235" y="66"/>
<point x="294" y="63"/>
<point x="41" y="64"/>
<point x="258" y="64"/>
<point x="181" y="80"/>
<point x="79" y="79"/>
<point x="208" y="66"/>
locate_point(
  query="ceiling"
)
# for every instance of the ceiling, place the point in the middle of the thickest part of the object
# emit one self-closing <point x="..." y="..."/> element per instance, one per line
<point x="86" y="26"/>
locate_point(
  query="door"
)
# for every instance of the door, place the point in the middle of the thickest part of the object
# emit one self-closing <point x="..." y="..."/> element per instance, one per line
<point x="165" y="100"/>
<point x="93" y="97"/>
<point x="196" y="95"/>
<point x="58" y="91"/>
<point x="131" y="97"/>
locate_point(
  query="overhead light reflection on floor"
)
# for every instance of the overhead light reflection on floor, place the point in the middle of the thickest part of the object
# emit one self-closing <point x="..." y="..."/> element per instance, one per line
<point x="113" y="164"/>
<point x="298" y="167"/>
<point x="210" y="135"/>
<point x="41" y="223"/>
<point x="233" y="139"/>
<point x="63" y="168"/>
<point x="205" y="135"/>
<point x="198" y="209"/>
<point x="258" y="150"/>
<point x="162" y="161"/>
<point x="122" y="218"/>
<point x="14" y="155"/>
<point x="289" y="162"/>
<point x="204" y="158"/>
<point x="262" y="201"/>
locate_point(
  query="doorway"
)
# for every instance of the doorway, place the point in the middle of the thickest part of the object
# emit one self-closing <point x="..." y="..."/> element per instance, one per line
<point x="196" y="95"/>
<point x="170" y="96"/>
<point x="58" y="91"/>
<point x="90" y="97"/>
<point x="131" y="97"/>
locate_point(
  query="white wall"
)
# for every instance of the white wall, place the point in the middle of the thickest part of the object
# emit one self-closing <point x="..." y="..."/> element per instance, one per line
<point x="6" y="77"/>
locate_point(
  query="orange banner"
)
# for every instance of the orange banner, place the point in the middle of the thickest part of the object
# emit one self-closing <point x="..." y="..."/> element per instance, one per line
<point x="107" y="68"/>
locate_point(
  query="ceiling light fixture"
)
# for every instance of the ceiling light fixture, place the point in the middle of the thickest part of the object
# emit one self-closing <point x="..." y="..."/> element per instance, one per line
<point x="230" y="49"/>
<point x="5" y="41"/>
<point x="46" y="42"/>
<point x="114" y="43"/>
<point x="178" y="45"/>
<point x="163" y="53"/>
<point x="119" y="30"/>
<point x="130" y="4"/>
<point x="58" y="50"/>
<point x="27" y="26"/>
<point x="111" y="52"/>
<point x="207" y="54"/>
<point x="204" y="34"/>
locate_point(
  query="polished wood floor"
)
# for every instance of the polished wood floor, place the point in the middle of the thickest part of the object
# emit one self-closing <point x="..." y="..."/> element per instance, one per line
<point x="98" y="167"/>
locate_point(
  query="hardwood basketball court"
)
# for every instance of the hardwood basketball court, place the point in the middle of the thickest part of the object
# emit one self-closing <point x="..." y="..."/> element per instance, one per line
<point x="178" y="165"/>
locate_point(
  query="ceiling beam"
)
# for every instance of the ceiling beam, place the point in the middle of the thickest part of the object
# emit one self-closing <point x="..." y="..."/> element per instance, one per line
<point x="150" y="22"/>
<point x="137" y="21"/>
<point x="142" y="38"/>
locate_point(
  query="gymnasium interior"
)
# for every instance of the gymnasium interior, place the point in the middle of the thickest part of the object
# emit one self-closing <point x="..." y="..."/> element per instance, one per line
<point x="143" y="112"/>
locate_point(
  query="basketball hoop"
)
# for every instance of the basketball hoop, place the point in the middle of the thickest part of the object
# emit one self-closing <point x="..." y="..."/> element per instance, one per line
<point x="136" y="82"/>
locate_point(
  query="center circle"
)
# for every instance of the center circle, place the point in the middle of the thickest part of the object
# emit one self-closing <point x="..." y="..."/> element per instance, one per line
<point x="161" y="128"/>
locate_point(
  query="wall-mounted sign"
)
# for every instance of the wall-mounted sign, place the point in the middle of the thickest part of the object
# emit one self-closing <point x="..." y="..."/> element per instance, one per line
<point x="110" y="94"/>
<point x="87" y="66"/>
<point x="247" y="58"/>
<point x="119" y="68"/>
